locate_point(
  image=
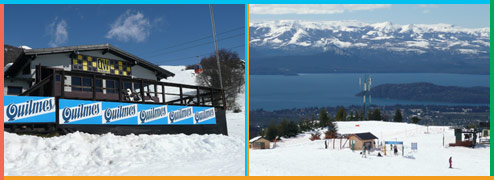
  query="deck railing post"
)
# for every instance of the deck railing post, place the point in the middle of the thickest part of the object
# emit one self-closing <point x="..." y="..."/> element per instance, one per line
<point x="142" y="91"/>
<point x="53" y="83"/>
<point x="181" y="95"/>
<point x="155" y="90"/>
<point x="93" y="80"/>
<point x="163" y="91"/>
<point x="62" y="79"/>
<point x="198" y="96"/>
<point x="120" y="89"/>
<point x="212" y="96"/>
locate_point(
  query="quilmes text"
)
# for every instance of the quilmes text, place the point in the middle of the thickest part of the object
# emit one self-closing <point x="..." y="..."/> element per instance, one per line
<point x="179" y="115"/>
<point x="119" y="113"/>
<point x="201" y="116"/>
<point x="29" y="108"/>
<point x="81" y="111"/>
<point x="152" y="114"/>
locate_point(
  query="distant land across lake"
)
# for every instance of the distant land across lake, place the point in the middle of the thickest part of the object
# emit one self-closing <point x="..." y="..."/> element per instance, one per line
<point x="273" y="92"/>
<point x="423" y="91"/>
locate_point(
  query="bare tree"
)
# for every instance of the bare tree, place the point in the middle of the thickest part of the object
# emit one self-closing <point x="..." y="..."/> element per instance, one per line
<point x="232" y="72"/>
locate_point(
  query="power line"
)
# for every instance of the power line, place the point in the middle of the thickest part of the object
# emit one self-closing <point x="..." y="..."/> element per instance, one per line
<point x="188" y="47"/>
<point x="205" y="54"/>
<point x="196" y="40"/>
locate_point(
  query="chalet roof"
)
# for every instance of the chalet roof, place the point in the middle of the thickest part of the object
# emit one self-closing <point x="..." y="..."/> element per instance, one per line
<point x="11" y="54"/>
<point x="365" y="136"/>
<point x="160" y="72"/>
<point x="255" y="139"/>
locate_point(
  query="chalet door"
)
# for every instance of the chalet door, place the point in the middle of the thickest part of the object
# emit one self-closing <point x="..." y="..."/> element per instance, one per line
<point x="50" y="89"/>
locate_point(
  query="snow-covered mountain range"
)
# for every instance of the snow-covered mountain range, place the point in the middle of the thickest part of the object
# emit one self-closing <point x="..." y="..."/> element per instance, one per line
<point x="277" y="47"/>
<point x="331" y="35"/>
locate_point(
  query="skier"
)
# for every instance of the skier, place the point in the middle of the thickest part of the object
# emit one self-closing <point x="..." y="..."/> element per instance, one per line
<point x="451" y="162"/>
<point x="395" y="150"/>
<point x="363" y="151"/>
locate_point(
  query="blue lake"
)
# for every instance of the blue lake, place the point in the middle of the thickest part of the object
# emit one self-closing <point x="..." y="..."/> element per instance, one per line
<point x="272" y="92"/>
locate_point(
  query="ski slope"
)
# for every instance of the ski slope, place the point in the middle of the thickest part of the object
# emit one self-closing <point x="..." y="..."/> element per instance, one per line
<point x="84" y="154"/>
<point x="300" y="156"/>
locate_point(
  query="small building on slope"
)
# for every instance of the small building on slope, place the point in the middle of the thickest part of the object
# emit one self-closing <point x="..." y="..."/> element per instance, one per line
<point x="259" y="143"/>
<point x="360" y="140"/>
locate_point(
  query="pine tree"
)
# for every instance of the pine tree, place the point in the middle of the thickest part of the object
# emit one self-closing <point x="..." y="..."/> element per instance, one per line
<point x="323" y="118"/>
<point x="301" y="125"/>
<point x="283" y="128"/>
<point x="341" y="114"/>
<point x="352" y="116"/>
<point x="312" y="121"/>
<point x="272" y="131"/>
<point x="398" y="117"/>
<point x="292" y="129"/>
<point x="357" y="117"/>
<point x="415" y="120"/>
<point x="376" y="114"/>
<point x="362" y="115"/>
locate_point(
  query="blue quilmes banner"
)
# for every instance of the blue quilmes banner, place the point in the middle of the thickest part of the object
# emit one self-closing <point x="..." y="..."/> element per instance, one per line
<point x="112" y="113"/>
<point x="28" y="109"/>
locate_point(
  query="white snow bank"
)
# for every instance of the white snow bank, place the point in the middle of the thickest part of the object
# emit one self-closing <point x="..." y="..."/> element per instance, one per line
<point x="85" y="154"/>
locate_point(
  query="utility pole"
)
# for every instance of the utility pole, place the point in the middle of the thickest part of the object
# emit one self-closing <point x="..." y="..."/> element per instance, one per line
<point x="216" y="45"/>
<point x="367" y="86"/>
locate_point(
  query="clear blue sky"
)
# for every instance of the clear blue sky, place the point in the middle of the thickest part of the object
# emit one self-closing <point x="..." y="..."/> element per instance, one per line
<point x="464" y="15"/>
<point x="162" y="34"/>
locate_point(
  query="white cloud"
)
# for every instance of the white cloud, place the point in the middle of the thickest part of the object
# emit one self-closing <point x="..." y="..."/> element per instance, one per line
<point x="130" y="26"/>
<point x="312" y="8"/>
<point x="58" y="32"/>
<point x="428" y="5"/>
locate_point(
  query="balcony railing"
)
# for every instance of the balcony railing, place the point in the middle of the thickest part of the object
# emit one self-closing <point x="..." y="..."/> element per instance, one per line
<point x="107" y="87"/>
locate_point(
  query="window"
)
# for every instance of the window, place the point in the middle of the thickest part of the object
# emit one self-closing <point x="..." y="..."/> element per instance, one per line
<point x="99" y="87"/>
<point x="76" y="83"/>
<point x="137" y="87"/>
<point x="14" y="90"/>
<point x="81" y="84"/>
<point x="127" y="85"/>
<point x="111" y="86"/>
<point x="87" y="85"/>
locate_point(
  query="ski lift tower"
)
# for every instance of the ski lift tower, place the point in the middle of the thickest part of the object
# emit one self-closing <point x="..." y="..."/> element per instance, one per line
<point x="366" y="84"/>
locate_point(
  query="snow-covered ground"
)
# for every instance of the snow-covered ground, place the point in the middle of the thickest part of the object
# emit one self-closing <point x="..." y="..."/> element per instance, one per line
<point x="152" y="155"/>
<point x="300" y="156"/>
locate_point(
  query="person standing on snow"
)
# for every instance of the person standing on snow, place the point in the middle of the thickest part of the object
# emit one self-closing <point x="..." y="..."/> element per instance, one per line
<point x="451" y="162"/>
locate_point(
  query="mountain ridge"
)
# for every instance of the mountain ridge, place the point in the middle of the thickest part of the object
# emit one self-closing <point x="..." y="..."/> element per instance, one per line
<point x="385" y="47"/>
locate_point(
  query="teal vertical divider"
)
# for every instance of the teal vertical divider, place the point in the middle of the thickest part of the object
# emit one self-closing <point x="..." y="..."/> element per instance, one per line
<point x="490" y="83"/>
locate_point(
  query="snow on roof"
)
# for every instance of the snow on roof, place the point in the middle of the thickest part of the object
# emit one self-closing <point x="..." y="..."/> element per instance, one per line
<point x="255" y="139"/>
<point x="25" y="47"/>
<point x="7" y="66"/>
